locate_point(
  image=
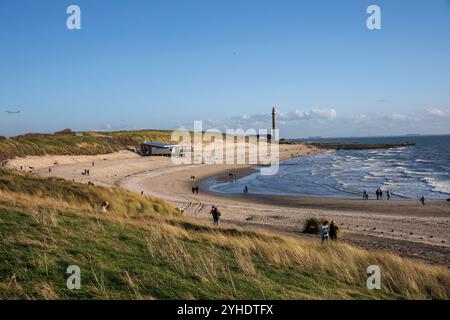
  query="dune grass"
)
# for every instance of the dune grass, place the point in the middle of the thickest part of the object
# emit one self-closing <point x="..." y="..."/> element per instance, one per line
<point x="90" y="143"/>
<point x="142" y="248"/>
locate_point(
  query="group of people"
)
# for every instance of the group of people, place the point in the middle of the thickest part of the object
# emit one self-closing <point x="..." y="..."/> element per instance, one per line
<point x="379" y="193"/>
<point x="329" y="232"/>
<point x="86" y="172"/>
<point x="195" y="189"/>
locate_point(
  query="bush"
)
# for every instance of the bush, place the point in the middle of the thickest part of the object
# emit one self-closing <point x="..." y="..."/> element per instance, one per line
<point x="312" y="225"/>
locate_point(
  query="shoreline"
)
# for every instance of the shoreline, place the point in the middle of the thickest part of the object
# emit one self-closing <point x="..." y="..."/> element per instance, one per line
<point x="414" y="207"/>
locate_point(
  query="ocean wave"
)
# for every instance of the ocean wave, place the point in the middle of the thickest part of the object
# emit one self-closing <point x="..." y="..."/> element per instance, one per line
<point x="442" y="186"/>
<point x="423" y="160"/>
<point x="407" y="173"/>
<point x="377" y="173"/>
<point x="369" y="178"/>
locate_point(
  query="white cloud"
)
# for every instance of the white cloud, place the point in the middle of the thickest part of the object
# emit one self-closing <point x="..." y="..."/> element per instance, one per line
<point x="263" y="120"/>
<point x="325" y="122"/>
<point x="436" y="112"/>
<point x="325" y="113"/>
<point x="298" y="115"/>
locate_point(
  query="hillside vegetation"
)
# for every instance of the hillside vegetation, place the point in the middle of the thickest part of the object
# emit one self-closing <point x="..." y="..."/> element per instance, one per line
<point x="67" y="143"/>
<point x="143" y="248"/>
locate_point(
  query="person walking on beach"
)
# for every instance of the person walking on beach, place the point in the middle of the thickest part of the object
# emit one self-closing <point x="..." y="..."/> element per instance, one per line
<point x="388" y="194"/>
<point x="215" y="214"/>
<point x="196" y="189"/>
<point x="193" y="190"/>
<point x="364" y="195"/>
<point x="333" y="230"/>
<point x="324" y="229"/>
<point x="381" y="194"/>
<point x="245" y="190"/>
<point x="422" y="200"/>
<point x="378" y="194"/>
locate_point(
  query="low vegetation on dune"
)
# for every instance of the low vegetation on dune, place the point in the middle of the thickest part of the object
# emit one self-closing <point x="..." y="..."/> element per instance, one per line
<point x="143" y="248"/>
<point x="312" y="225"/>
<point x="67" y="142"/>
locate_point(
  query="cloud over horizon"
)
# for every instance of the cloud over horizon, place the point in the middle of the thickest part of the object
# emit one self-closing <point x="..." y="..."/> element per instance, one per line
<point x="436" y="112"/>
<point x="325" y="122"/>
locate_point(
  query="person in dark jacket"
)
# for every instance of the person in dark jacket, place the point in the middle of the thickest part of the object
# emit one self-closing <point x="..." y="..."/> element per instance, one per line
<point x="216" y="214"/>
<point x="333" y="230"/>
<point x="422" y="200"/>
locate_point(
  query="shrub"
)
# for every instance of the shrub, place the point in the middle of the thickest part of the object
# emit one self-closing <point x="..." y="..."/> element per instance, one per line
<point x="312" y="225"/>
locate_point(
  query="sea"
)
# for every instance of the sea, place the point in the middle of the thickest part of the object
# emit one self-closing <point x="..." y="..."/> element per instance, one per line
<point x="407" y="172"/>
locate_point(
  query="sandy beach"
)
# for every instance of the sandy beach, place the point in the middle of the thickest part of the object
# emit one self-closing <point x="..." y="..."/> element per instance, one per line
<point x="404" y="227"/>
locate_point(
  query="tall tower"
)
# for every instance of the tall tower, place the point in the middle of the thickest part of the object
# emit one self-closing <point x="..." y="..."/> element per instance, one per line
<point x="274" y="112"/>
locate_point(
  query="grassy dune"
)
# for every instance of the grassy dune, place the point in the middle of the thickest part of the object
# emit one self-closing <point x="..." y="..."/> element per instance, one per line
<point x="142" y="248"/>
<point x="90" y="143"/>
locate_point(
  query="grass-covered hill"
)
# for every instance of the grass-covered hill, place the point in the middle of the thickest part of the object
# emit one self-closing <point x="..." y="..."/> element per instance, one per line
<point x="143" y="248"/>
<point x="68" y="143"/>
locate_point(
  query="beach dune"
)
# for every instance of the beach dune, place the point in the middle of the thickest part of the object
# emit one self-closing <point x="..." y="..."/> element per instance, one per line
<point x="405" y="227"/>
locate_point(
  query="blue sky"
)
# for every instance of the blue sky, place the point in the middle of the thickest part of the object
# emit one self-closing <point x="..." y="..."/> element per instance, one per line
<point x="163" y="64"/>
